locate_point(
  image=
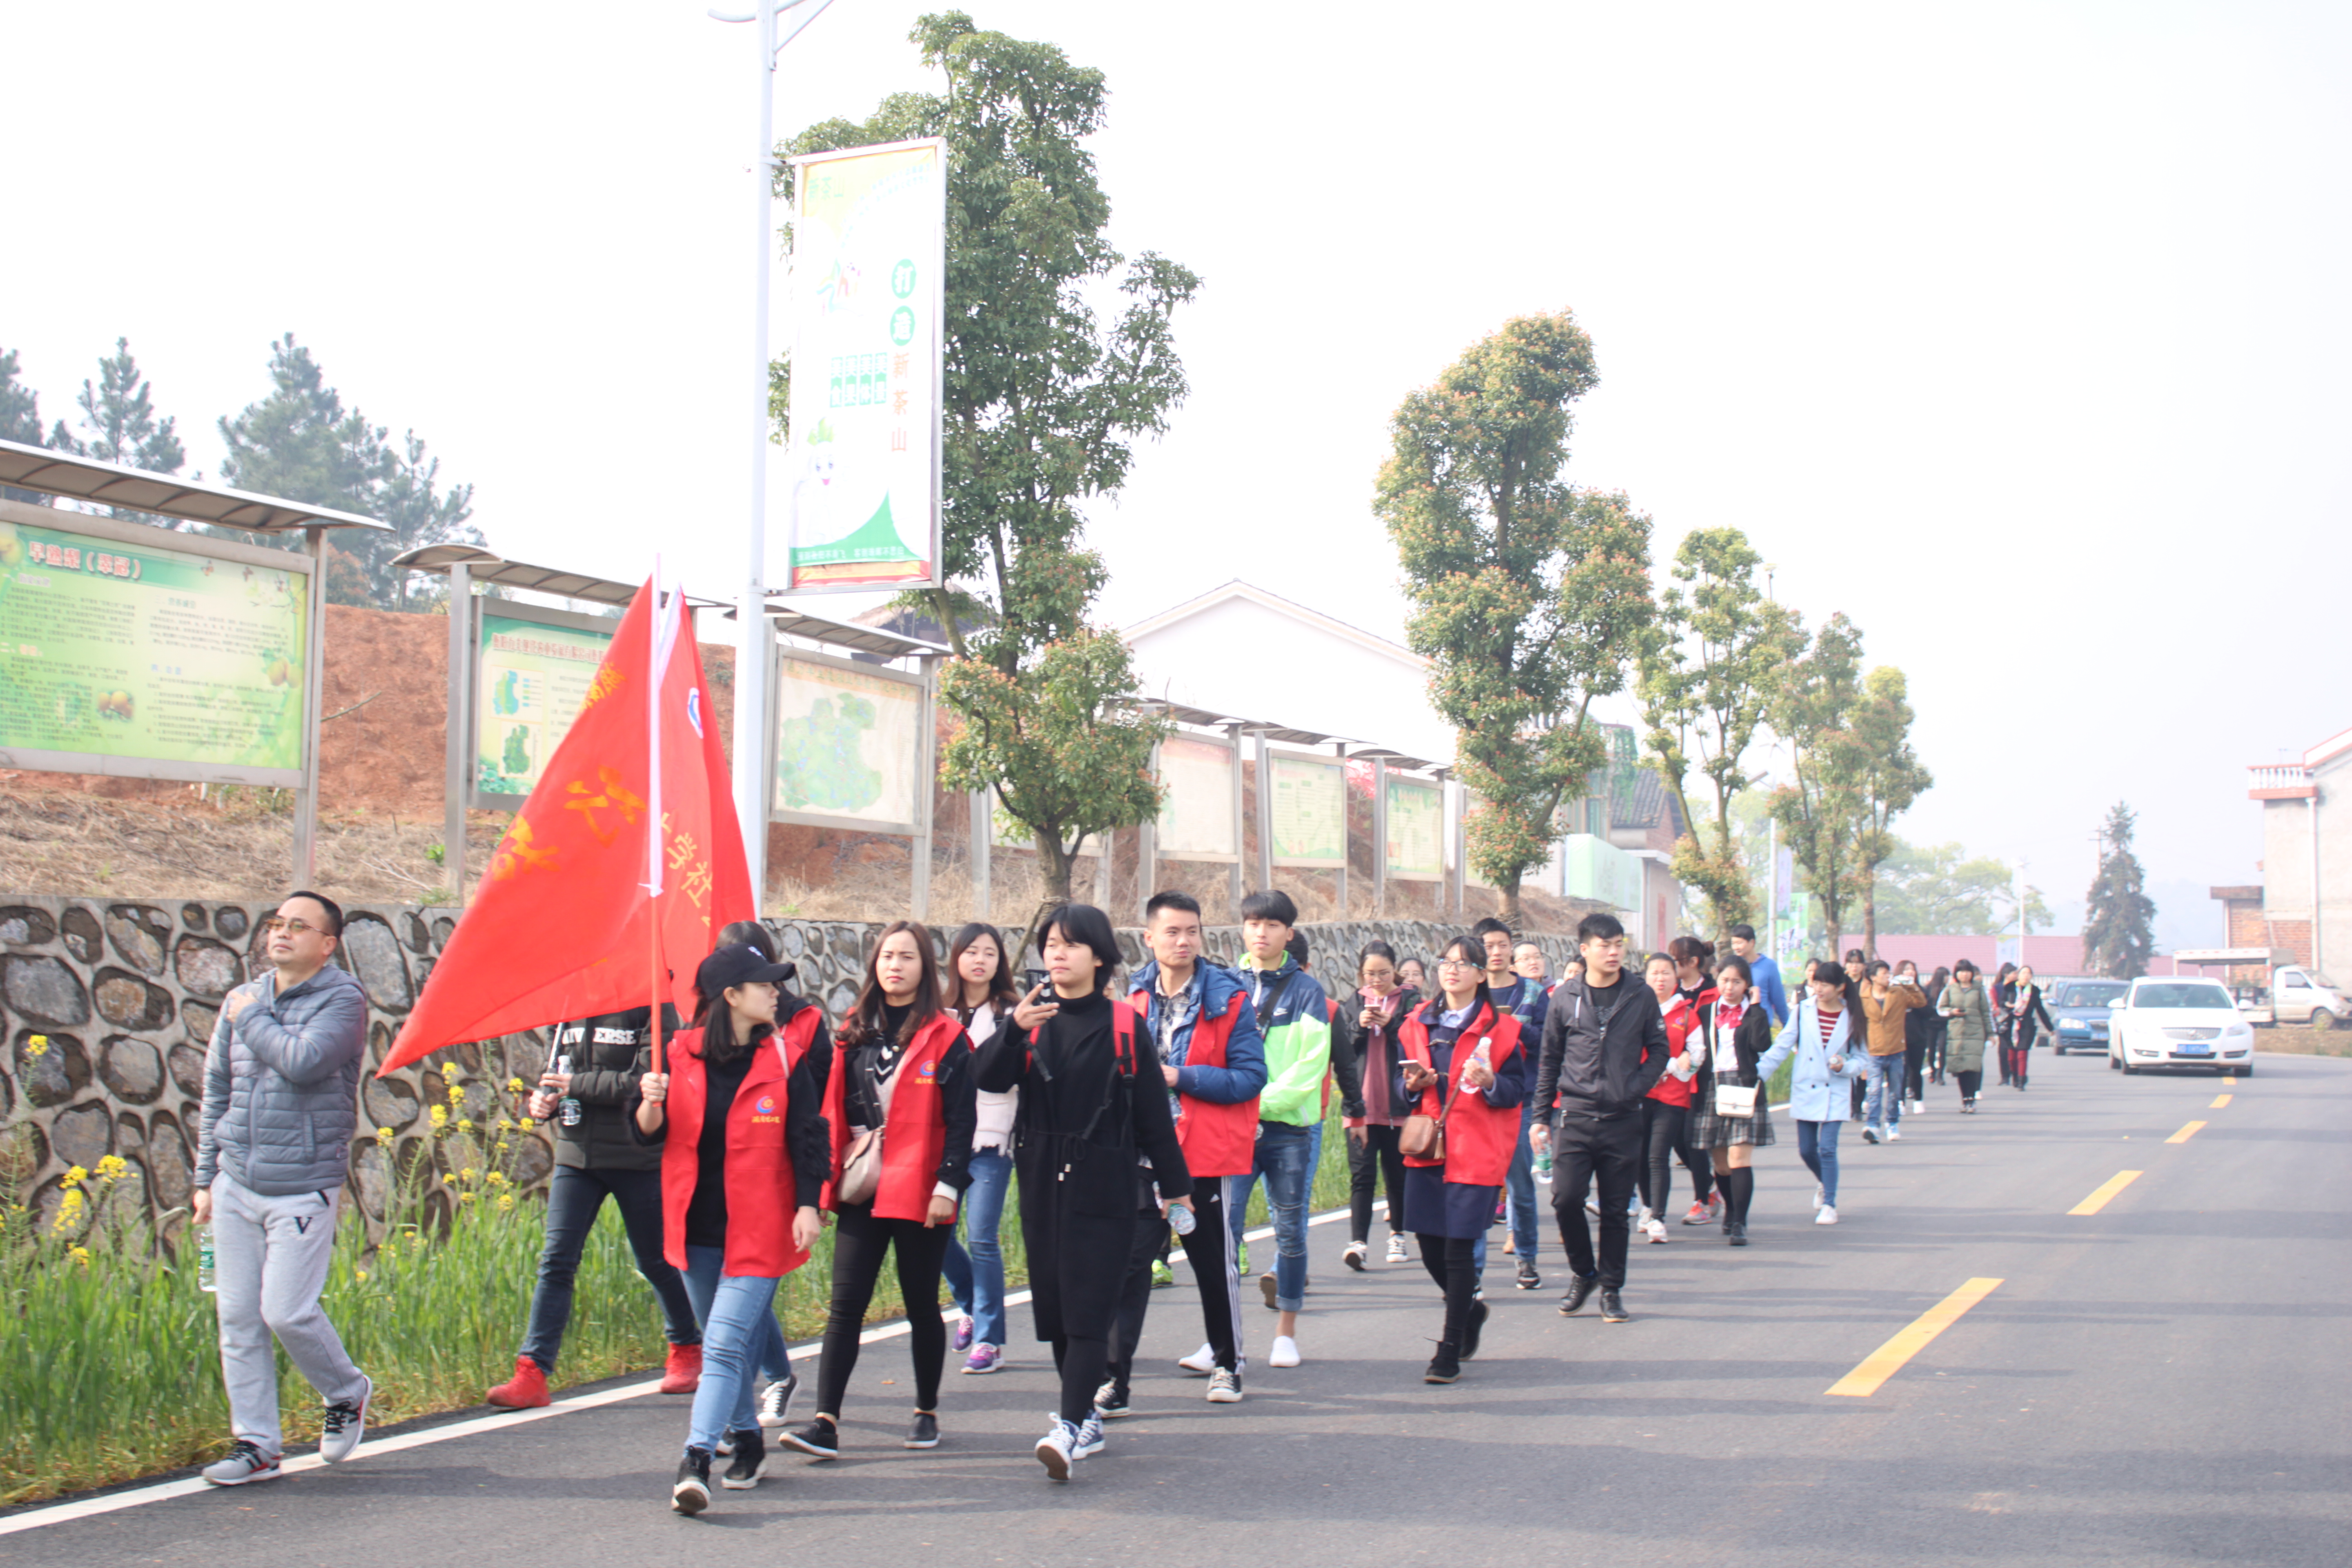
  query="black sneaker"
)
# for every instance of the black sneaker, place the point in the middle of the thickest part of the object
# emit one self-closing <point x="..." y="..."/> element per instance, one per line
<point x="1109" y="1402"/>
<point x="819" y="1438"/>
<point x="1735" y="1233"/>
<point x="749" y="1460"/>
<point x="1443" y="1367"/>
<point x="691" y="1494"/>
<point x="1580" y="1287"/>
<point x="925" y="1431"/>
<point x="1472" y="1322"/>
<point x="1613" y="1306"/>
<point x="1529" y="1279"/>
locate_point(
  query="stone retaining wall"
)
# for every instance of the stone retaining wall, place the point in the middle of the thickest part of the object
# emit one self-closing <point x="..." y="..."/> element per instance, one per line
<point x="124" y="997"/>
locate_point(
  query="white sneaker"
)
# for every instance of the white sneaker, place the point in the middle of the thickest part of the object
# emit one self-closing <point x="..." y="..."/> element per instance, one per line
<point x="1224" y="1387"/>
<point x="1090" y="1436"/>
<point x="1397" y="1253"/>
<point x="1655" y="1229"/>
<point x="345" y="1424"/>
<point x="1870" y="1132"/>
<point x="1894" y="1135"/>
<point x="1201" y="1362"/>
<point x="1827" y="1215"/>
<point x="1355" y="1255"/>
<point x="776" y="1401"/>
<point x="1641" y="1218"/>
<point x="1057" y="1448"/>
<point x="1285" y="1352"/>
<point x="1818" y="1199"/>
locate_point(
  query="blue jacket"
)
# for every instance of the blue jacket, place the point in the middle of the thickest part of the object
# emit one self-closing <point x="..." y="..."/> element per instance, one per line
<point x="1766" y="976"/>
<point x="1244" y="1075"/>
<point x="281" y="1086"/>
<point x="1816" y="1092"/>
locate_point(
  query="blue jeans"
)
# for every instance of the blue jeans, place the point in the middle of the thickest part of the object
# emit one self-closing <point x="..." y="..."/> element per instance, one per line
<point x="739" y="1336"/>
<point x="1886" y="1091"/>
<point x="1519" y="1186"/>
<point x="574" y="1198"/>
<point x="978" y="1281"/>
<point x="1282" y="1157"/>
<point x="1817" y="1147"/>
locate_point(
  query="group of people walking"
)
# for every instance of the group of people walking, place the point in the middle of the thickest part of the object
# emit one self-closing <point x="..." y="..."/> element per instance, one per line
<point x="730" y="1140"/>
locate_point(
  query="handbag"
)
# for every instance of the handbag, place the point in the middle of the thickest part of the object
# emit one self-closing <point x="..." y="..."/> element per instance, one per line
<point x="1422" y="1137"/>
<point x="1735" y="1102"/>
<point x="861" y="1162"/>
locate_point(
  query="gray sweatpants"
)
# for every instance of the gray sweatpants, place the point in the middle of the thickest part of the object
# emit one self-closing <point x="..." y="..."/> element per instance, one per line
<point x="269" y="1263"/>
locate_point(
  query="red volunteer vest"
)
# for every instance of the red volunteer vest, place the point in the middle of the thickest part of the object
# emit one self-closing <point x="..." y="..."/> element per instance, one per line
<point x="1217" y="1140"/>
<point x="1478" y="1136"/>
<point x="761" y="1200"/>
<point x="917" y="1133"/>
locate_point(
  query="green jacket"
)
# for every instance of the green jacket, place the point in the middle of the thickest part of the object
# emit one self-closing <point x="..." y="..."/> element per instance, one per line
<point x="1297" y="1030"/>
<point x="1966" y="1030"/>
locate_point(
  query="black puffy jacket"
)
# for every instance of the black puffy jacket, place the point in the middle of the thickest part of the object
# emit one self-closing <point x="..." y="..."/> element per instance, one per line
<point x="603" y="1052"/>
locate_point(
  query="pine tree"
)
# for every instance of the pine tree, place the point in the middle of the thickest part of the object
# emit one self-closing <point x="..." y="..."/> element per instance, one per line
<point x="2117" y="940"/>
<point x="118" y="412"/>
<point x="20" y="405"/>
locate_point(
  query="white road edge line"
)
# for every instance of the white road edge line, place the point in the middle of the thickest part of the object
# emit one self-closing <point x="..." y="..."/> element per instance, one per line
<point x="113" y="1502"/>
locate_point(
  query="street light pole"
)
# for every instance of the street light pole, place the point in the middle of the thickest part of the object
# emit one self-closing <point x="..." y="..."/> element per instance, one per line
<point x="752" y="660"/>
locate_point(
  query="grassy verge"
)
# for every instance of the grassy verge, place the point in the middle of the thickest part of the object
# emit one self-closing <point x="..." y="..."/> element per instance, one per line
<point x="110" y="1364"/>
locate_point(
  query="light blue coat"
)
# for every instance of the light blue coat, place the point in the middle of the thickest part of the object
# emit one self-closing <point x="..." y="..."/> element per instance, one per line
<point x="1817" y="1093"/>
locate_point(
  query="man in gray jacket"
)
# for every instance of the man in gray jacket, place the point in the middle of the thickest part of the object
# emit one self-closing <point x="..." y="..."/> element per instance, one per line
<point x="281" y="1098"/>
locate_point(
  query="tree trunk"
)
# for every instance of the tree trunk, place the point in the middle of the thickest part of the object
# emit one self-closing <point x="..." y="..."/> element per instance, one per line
<point x="1054" y="868"/>
<point x="1508" y="893"/>
<point x="1869" y="914"/>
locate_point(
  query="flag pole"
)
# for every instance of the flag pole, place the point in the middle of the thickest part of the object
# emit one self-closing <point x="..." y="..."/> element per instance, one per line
<point x="657" y="648"/>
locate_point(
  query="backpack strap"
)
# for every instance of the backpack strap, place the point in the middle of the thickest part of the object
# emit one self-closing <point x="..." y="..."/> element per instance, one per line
<point x="1122" y="1033"/>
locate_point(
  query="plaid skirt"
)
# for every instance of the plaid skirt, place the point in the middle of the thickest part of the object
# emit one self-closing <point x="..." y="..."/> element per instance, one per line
<point x="1708" y="1131"/>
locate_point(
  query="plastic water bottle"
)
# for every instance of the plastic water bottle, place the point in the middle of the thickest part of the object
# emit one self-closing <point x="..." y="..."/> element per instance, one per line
<point x="1180" y="1218"/>
<point x="206" y="1279"/>
<point x="569" y="1111"/>
<point x="1543" y="1164"/>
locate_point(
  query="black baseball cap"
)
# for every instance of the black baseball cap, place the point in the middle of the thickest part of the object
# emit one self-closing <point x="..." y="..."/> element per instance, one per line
<point x="739" y="965"/>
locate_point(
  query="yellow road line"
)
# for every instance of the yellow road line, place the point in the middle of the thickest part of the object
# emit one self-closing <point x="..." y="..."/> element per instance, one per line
<point x="2219" y="1101"/>
<point x="1887" y="1359"/>
<point x="2099" y="1200"/>
<point x="2186" y="1133"/>
<point x="2230" y="1079"/>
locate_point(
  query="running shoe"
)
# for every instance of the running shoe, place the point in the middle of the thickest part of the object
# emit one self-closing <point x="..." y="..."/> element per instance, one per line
<point x="1655" y="1230"/>
<point x="344" y="1425"/>
<point x="923" y="1432"/>
<point x="243" y="1463"/>
<point x="776" y="1401"/>
<point x="1354" y="1257"/>
<point x="963" y="1325"/>
<point x="1894" y="1135"/>
<point x="1700" y="1214"/>
<point x="1827" y="1215"/>
<point x="985" y="1358"/>
<point x="1735" y="1233"/>
<point x="1397" y="1253"/>
<point x="1285" y="1352"/>
<point x="820" y="1438"/>
<point x="1715" y="1205"/>
<point x="1870" y="1135"/>
<point x="1224" y="1386"/>
<point x="1057" y="1448"/>
<point x="1529" y="1279"/>
<point x="1445" y="1366"/>
<point x="1162" y="1276"/>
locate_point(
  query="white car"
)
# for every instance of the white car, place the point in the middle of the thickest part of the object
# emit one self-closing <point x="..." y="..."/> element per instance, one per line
<point x="2178" y="1023"/>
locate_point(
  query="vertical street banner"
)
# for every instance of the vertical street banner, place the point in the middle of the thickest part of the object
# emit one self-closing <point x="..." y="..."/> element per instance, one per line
<point x="1416" y="846"/>
<point x="1309" y="810"/>
<point x="531" y="678"/>
<point x="1196" y="819"/>
<point x="119" y="655"/>
<point x="865" y="301"/>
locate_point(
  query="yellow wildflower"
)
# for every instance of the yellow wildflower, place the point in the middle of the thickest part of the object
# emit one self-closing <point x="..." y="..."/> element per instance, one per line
<point x="80" y="1255"/>
<point x="467" y="1174"/>
<point x="465" y="1197"/>
<point x="440" y="1118"/>
<point x="515" y="1086"/>
<point x="383" y="1137"/>
<point x="68" y="1211"/>
<point x="76" y="1177"/>
<point x="37" y="1046"/>
<point x="456" y="1094"/>
<point x="448" y="1180"/>
<point x="465" y="1125"/>
<point x="506" y="1203"/>
<point x="113" y="1168"/>
<point x="360" y="1275"/>
<point x="506" y="1123"/>
<point x="503" y="1147"/>
<point x="496" y="1178"/>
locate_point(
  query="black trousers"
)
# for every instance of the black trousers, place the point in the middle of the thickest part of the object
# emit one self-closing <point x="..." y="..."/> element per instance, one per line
<point x="1972" y="1079"/>
<point x="1590" y="1151"/>
<point x="859" y="1240"/>
<point x="1914" y="1063"/>
<point x="1376" y="1161"/>
<point x="1209" y="1250"/>
<point x="1452" y="1262"/>
<point x="1134" y="1302"/>
<point x="1666" y="1136"/>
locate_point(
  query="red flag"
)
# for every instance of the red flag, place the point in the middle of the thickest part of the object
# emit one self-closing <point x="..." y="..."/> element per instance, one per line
<point x="605" y="862"/>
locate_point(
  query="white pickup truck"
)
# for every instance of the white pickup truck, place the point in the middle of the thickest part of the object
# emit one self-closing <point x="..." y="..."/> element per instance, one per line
<point x="2290" y="993"/>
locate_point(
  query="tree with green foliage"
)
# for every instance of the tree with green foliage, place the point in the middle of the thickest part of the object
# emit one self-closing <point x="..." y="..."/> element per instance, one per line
<point x="118" y="413"/>
<point x="1708" y="670"/>
<point x="2118" y="937"/>
<point x="1891" y="778"/>
<point x="1940" y="889"/>
<point x="1043" y="405"/>
<point x="1821" y="808"/>
<point x="20" y="405"/>
<point x="300" y="443"/>
<point x="1531" y="597"/>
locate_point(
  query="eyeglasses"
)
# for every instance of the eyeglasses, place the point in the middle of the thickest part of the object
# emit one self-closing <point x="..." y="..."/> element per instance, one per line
<point x="277" y="923"/>
<point x="1458" y="963"/>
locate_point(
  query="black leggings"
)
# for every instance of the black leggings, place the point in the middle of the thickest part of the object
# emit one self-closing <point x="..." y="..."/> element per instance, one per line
<point x="1972" y="1079"/>
<point x="859" y="1240"/>
<point x="1378" y="1160"/>
<point x="1915" y="1061"/>
<point x="1450" y="1262"/>
<point x="1665" y="1134"/>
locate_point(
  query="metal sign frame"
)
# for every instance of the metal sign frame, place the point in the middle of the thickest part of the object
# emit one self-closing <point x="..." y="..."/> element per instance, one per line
<point x="926" y="744"/>
<point x="1230" y="746"/>
<point x="477" y="607"/>
<point x="1336" y="765"/>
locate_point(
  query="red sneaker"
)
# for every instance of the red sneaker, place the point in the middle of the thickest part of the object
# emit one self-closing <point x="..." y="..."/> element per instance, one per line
<point x="527" y="1390"/>
<point x="1699" y="1215"/>
<point x="682" y="1372"/>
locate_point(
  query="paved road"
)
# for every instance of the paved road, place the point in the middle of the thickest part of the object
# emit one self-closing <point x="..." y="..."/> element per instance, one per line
<point x="2162" y="1382"/>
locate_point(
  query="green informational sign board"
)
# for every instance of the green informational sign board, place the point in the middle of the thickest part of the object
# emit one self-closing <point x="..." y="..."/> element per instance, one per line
<point x="532" y="669"/>
<point x="1417" y="831"/>
<point x="848" y="740"/>
<point x="118" y="656"/>
<point x="1310" y="811"/>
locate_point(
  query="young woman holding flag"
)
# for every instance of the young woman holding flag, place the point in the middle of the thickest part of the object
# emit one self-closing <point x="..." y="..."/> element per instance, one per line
<point x="1464" y="1070"/>
<point x="901" y="1111"/>
<point x="735" y="1107"/>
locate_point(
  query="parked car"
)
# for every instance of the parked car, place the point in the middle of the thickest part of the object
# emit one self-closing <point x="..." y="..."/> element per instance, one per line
<point x="2079" y="1009"/>
<point x="2174" y="1022"/>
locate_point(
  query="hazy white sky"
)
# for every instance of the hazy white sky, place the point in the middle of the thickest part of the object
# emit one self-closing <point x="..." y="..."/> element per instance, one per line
<point x="2013" y="331"/>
